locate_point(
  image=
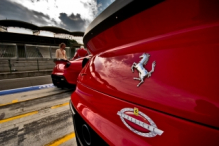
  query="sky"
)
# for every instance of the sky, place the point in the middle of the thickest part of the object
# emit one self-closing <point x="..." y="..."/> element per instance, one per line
<point x="73" y="15"/>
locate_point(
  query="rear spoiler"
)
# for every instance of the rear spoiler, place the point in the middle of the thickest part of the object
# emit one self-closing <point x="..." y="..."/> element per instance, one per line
<point x="117" y="12"/>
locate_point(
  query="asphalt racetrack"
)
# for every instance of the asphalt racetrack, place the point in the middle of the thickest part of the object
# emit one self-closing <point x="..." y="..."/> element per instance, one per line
<point x="37" y="118"/>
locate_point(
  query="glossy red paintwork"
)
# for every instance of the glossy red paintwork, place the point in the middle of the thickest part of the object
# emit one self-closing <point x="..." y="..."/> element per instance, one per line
<point x="59" y="67"/>
<point x="181" y="96"/>
<point x="70" y="73"/>
<point x="100" y="112"/>
<point x="185" y="80"/>
<point x="81" y="52"/>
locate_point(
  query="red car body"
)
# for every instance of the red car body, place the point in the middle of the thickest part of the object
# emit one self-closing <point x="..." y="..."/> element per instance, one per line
<point x="65" y="73"/>
<point x="180" y="96"/>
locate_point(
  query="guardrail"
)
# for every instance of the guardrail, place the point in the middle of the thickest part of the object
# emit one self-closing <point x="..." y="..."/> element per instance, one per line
<point x="28" y="51"/>
<point x="14" y="65"/>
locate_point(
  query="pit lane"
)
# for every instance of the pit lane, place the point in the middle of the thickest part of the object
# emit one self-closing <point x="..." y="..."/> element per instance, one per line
<point x="36" y="118"/>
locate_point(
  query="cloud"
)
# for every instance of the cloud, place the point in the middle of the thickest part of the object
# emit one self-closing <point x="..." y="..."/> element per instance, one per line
<point x="86" y="8"/>
<point x="16" y="11"/>
<point x="72" y="22"/>
<point x="74" y="15"/>
<point x="102" y="5"/>
<point x="92" y="8"/>
<point x="39" y="14"/>
<point x="99" y="5"/>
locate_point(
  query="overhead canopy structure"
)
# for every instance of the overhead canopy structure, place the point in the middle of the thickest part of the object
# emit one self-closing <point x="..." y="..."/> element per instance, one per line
<point x="34" y="28"/>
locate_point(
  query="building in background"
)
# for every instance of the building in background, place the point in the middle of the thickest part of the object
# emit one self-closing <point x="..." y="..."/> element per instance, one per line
<point x="32" y="41"/>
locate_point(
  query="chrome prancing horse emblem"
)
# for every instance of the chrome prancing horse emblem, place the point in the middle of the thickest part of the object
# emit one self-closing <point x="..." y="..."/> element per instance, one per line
<point x="140" y="68"/>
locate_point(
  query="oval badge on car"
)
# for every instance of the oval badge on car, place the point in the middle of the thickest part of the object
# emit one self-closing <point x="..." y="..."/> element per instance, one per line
<point x="139" y="123"/>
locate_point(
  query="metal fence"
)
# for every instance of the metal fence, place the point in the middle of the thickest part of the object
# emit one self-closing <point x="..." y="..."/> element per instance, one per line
<point x="11" y="51"/>
<point x="14" y="65"/>
<point x="36" y="51"/>
<point x="32" y="52"/>
<point x="53" y="52"/>
<point x="8" y="50"/>
<point x="27" y="57"/>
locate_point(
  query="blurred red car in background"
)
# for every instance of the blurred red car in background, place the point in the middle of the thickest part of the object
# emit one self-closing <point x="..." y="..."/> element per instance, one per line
<point x="81" y="52"/>
<point x="65" y="72"/>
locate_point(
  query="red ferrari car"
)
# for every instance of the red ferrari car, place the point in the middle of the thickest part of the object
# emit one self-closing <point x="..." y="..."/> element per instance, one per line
<point x="153" y="78"/>
<point x="65" y="73"/>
